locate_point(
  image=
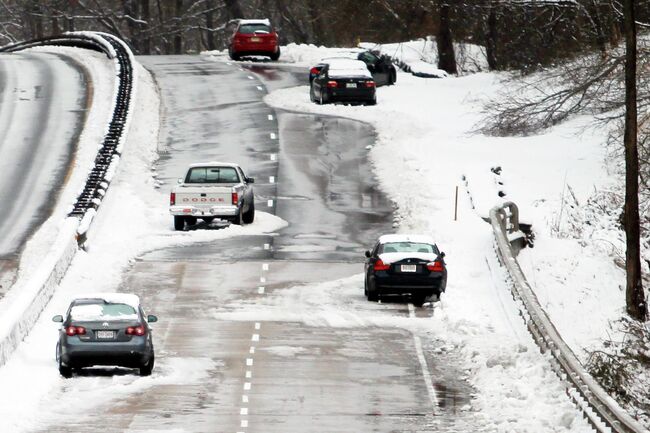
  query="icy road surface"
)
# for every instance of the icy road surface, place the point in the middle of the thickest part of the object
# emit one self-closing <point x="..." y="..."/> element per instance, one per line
<point x="43" y="98"/>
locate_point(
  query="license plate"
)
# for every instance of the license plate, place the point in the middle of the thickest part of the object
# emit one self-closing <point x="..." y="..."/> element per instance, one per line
<point x="256" y="40"/>
<point x="409" y="268"/>
<point x="351" y="85"/>
<point x="105" y="335"/>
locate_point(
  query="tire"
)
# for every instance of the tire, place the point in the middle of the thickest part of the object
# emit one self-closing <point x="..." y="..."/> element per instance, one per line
<point x="64" y="371"/>
<point x="249" y="216"/>
<point x="373" y="296"/>
<point x="239" y="219"/>
<point x="275" y="56"/>
<point x="146" y="370"/>
<point x="321" y="101"/>
<point x="190" y="221"/>
<point x="312" y="97"/>
<point x="418" y="301"/>
<point x="233" y="55"/>
<point x="179" y="222"/>
<point x="373" y="102"/>
<point x="393" y="78"/>
<point x="208" y="220"/>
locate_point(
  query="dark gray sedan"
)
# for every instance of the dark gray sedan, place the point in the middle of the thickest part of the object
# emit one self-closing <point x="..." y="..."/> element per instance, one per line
<point x="102" y="330"/>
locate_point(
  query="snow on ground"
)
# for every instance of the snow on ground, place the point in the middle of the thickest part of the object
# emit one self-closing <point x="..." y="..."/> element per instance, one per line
<point x="133" y="219"/>
<point x="425" y="147"/>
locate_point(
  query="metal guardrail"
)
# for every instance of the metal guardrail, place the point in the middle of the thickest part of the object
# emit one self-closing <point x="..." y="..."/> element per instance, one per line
<point x="599" y="408"/>
<point x="109" y="152"/>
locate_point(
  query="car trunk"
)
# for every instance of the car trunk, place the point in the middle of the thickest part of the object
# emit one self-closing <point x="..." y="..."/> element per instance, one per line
<point x="109" y="331"/>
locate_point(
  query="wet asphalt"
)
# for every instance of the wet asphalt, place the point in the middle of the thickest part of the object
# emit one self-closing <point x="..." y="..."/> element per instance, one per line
<point x="272" y="344"/>
<point x="43" y="98"/>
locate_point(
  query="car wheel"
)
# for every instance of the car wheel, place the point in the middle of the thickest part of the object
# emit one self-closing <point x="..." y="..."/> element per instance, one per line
<point x="321" y="101"/>
<point x="373" y="102"/>
<point x="238" y="219"/>
<point x="312" y="97"/>
<point x="393" y="78"/>
<point x="190" y="221"/>
<point x="233" y="55"/>
<point x="275" y="56"/>
<point x="418" y="301"/>
<point x="373" y="296"/>
<point x="64" y="371"/>
<point x="179" y="223"/>
<point x="249" y="216"/>
<point x="146" y="370"/>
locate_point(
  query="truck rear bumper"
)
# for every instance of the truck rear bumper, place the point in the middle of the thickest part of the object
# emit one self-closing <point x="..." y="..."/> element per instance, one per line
<point x="213" y="211"/>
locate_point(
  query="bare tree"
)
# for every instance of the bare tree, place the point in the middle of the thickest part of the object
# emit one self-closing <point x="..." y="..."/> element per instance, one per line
<point x="634" y="296"/>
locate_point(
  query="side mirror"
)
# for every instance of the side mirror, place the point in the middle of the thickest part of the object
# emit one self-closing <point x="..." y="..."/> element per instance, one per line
<point x="442" y="254"/>
<point x="250" y="180"/>
<point x="58" y="318"/>
<point x="152" y="319"/>
<point x="179" y="181"/>
<point x="367" y="253"/>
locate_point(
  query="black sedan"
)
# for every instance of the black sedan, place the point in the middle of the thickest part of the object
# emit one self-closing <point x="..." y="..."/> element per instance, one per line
<point x="380" y="67"/>
<point x="405" y="265"/>
<point x="106" y="329"/>
<point x="343" y="80"/>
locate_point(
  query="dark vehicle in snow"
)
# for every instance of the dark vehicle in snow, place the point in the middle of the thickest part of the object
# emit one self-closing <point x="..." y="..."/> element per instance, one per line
<point x="343" y="80"/>
<point x="381" y="68"/>
<point x="252" y="38"/>
<point x="105" y="330"/>
<point x="405" y="265"/>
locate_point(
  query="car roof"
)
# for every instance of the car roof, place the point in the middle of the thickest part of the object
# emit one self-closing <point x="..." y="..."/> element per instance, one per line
<point x="111" y="298"/>
<point x="424" y="239"/>
<point x="265" y="21"/>
<point x="214" y="164"/>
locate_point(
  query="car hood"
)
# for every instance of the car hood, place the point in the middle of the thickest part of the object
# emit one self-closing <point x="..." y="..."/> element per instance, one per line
<point x="389" y="258"/>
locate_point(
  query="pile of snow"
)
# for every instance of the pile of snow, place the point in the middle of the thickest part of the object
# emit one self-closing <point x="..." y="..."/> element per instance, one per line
<point x="426" y="148"/>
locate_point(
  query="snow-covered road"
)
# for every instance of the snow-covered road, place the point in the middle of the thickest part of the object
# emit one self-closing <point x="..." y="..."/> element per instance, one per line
<point x="43" y="99"/>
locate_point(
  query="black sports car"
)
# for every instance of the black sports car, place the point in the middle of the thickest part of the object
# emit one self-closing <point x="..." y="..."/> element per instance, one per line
<point x="382" y="69"/>
<point x="405" y="265"/>
<point x="343" y="80"/>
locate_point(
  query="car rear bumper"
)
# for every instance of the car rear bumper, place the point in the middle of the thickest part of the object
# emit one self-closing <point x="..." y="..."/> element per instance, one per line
<point x="353" y="95"/>
<point x="213" y="211"/>
<point x="126" y="354"/>
<point x="255" y="49"/>
<point x="399" y="285"/>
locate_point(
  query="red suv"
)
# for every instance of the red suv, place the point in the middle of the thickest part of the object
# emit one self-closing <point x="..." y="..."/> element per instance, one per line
<point x="253" y="38"/>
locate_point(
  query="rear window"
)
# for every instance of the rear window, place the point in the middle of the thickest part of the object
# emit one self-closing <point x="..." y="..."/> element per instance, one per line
<point x="249" y="29"/>
<point x="212" y="175"/>
<point x="103" y="311"/>
<point x="407" y="247"/>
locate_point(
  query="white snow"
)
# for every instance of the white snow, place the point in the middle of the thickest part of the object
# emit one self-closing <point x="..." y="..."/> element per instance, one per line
<point x="426" y="146"/>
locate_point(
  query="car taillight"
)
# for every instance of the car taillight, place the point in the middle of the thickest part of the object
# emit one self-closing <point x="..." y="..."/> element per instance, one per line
<point x="75" y="330"/>
<point x="381" y="266"/>
<point x="314" y="71"/>
<point x="235" y="197"/>
<point x="332" y="84"/>
<point x="139" y="330"/>
<point x="369" y="84"/>
<point x="436" y="266"/>
<point x="172" y="198"/>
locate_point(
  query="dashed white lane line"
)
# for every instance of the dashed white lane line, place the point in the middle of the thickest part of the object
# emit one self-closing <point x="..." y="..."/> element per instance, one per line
<point x="243" y="411"/>
<point x="260" y="290"/>
<point x="265" y="266"/>
<point x="267" y="246"/>
<point x="426" y="374"/>
<point x="249" y="374"/>
<point x="255" y="337"/>
<point x="247" y="386"/>
<point x="244" y="399"/>
<point x="273" y="157"/>
<point x="270" y="203"/>
<point x="270" y="116"/>
<point x="271" y="179"/>
<point x="244" y="423"/>
<point x="250" y="77"/>
<point x="273" y="136"/>
<point x="258" y="325"/>
<point x="262" y="280"/>
<point x="249" y="361"/>
<point x="251" y="350"/>
<point x="260" y="88"/>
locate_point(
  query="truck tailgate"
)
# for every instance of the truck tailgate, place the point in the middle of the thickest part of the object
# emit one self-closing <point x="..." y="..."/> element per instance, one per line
<point x="201" y="196"/>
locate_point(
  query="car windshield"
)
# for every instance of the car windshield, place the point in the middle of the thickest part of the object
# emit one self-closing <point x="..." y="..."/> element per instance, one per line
<point x="407" y="247"/>
<point x="103" y="311"/>
<point x="249" y="29"/>
<point x="212" y="175"/>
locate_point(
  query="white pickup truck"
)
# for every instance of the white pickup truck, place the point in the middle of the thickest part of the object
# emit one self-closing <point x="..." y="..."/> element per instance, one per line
<point x="213" y="190"/>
